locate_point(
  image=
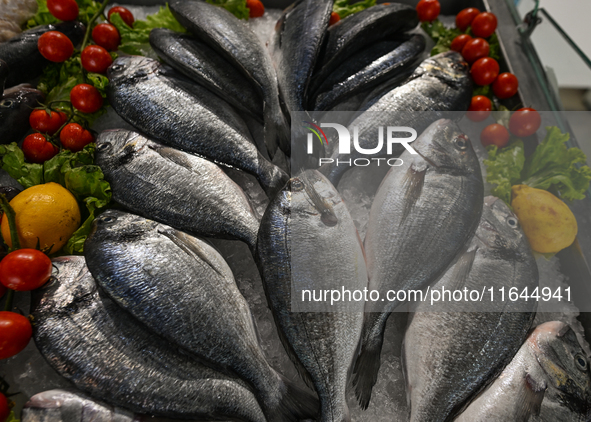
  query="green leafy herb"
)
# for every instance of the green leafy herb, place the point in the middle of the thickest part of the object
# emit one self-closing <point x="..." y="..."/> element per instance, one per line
<point x="495" y="47"/>
<point x="552" y="166"/>
<point x="12" y="417"/>
<point x="441" y="35"/>
<point x="136" y="40"/>
<point x="345" y="8"/>
<point x="504" y="168"/>
<point x="236" y="7"/>
<point x="73" y="170"/>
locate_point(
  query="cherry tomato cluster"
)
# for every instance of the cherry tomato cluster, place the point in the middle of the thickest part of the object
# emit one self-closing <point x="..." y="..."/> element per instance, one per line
<point x="256" y="8"/>
<point x="523" y="122"/>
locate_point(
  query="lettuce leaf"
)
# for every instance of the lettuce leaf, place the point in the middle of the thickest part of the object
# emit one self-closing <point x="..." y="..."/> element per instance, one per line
<point x="504" y="168"/>
<point x="136" y="40"/>
<point x="553" y="166"/>
<point x="236" y="7"/>
<point x="87" y="9"/>
<point x="345" y="8"/>
<point x="442" y="35"/>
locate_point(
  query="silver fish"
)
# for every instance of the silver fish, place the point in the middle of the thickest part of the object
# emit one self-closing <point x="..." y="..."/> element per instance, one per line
<point x="364" y="70"/>
<point x="184" y="115"/>
<point x="106" y="353"/>
<point x="15" y="108"/>
<point x="201" y="63"/>
<point x="173" y="187"/>
<point x="422" y="216"/>
<point x="3" y="75"/>
<point x="137" y="260"/>
<point x="72" y="406"/>
<point x="450" y="356"/>
<point x="440" y="85"/>
<point x="550" y="368"/>
<point x="307" y="238"/>
<point x="360" y="30"/>
<point x="235" y="41"/>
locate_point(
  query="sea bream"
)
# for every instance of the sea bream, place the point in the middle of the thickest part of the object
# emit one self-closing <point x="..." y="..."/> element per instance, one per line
<point x="454" y="350"/>
<point x="198" y="61"/>
<point x="177" y="112"/>
<point x="16" y="105"/>
<point x="439" y="88"/>
<point x="547" y="380"/>
<point x="182" y="190"/>
<point x="140" y="262"/>
<point x="235" y="41"/>
<point x="423" y="214"/>
<point x="308" y="240"/>
<point x="105" y="352"/>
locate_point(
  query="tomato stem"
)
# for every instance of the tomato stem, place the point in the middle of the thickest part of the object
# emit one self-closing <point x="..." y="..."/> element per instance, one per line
<point x="10" y="216"/>
<point x="91" y="21"/>
<point x="9" y="299"/>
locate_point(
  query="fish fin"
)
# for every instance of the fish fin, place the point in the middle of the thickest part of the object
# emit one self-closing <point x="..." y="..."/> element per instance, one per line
<point x="173" y="155"/>
<point x="531" y="400"/>
<point x="296" y="403"/>
<point x="413" y="182"/>
<point x="462" y="269"/>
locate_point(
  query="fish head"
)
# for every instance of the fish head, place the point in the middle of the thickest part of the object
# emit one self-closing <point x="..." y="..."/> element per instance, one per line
<point x="499" y="230"/>
<point x="120" y="227"/>
<point x="310" y="193"/>
<point x="449" y="67"/>
<point x="20" y="97"/>
<point x="447" y="148"/>
<point x="565" y="364"/>
<point x="70" y="281"/>
<point x="118" y="147"/>
<point x="131" y="68"/>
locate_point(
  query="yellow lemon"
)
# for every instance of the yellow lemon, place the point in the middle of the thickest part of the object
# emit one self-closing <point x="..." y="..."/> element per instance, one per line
<point x="547" y="221"/>
<point x="47" y="214"/>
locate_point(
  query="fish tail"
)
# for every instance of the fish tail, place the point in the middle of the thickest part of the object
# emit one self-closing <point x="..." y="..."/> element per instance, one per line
<point x="294" y="404"/>
<point x="367" y="364"/>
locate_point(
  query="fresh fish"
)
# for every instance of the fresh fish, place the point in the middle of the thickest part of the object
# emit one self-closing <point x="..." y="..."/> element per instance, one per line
<point x="422" y="216"/>
<point x="307" y="237"/>
<point x="13" y="14"/>
<point x="202" y="64"/>
<point x="137" y="261"/>
<point x="15" y="107"/>
<point x="440" y="85"/>
<point x="106" y="353"/>
<point x="3" y="75"/>
<point x="72" y="406"/>
<point x="22" y="55"/>
<point x="386" y="60"/>
<point x="295" y="46"/>
<point x="235" y="41"/>
<point x="184" y="115"/>
<point x="360" y="30"/>
<point x="451" y="355"/>
<point x="551" y="363"/>
<point x="179" y="189"/>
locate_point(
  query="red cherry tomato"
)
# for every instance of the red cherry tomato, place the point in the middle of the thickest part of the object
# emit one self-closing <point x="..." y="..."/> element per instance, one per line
<point x="495" y="134"/>
<point x="96" y="59"/>
<point x="15" y="333"/>
<point x="480" y="108"/>
<point x="64" y="10"/>
<point x="465" y="18"/>
<point x="4" y="408"/>
<point x="47" y="123"/>
<point x="37" y="149"/>
<point x="25" y="269"/>
<point x="74" y="137"/>
<point x="86" y="98"/>
<point x="484" y="25"/>
<point x="428" y="10"/>
<point x="334" y="18"/>
<point x="475" y="49"/>
<point x="484" y="71"/>
<point x="459" y="42"/>
<point x="107" y="36"/>
<point x="55" y="46"/>
<point x="125" y="14"/>
<point x="256" y="8"/>
<point x="525" y="122"/>
<point x="505" y="86"/>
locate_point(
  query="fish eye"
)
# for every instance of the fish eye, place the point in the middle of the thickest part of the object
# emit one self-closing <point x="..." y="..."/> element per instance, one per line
<point x="512" y="222"/>
<point x="580" y="362"/>
<point x="8" y="102"/>
<point x="296" y="185"/>
<point x="107" y="219"/>
<point x="461" y="143"/>
<point x="103" y="146"/>
<point x="459" y="66"/>
<point x="116" y="67"/>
